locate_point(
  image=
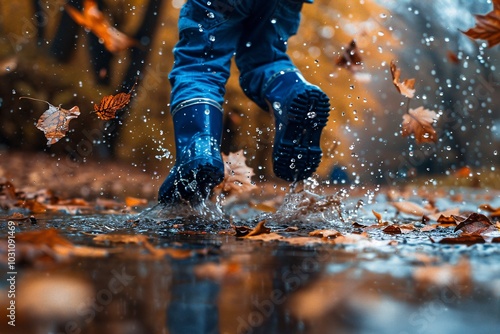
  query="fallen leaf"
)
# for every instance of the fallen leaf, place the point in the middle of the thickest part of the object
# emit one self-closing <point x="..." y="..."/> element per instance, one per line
<point x="487" y="26"/>
<point x="110" y="104"/>
<point x="419" y="123"/>
<point x="378" y="216"/>
<point x="467" y="239"/>
<point x="410" y="208"/>
<point x="327" y="234"/>
<point x="237" y="175"/>
<point x="350" y="58"/>
<point x="407" y="87"/>
<point x="133" y="201"/>
<point x="476" y="223"/>
<point x="94" y="20"/>
<point x="398" y="229"/>
<point x="54" y="122"/>
<point x="260" y="228"/>
<point x="120" y="238"/>
<point x="444" y="216"/>
<point x="494" y="212"/>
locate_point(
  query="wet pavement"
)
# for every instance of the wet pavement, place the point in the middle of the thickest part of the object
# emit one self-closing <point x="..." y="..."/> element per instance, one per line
<point x="185" y="280"/>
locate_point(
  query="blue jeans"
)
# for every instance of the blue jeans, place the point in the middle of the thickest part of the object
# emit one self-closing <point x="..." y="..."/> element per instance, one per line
<point x="212" y="32"/>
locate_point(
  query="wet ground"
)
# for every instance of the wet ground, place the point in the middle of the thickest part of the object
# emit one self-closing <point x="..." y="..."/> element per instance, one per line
<point x="322" y="265"/>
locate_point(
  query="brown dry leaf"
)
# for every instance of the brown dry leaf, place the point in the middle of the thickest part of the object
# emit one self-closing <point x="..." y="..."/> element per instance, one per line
<point x="487" y="26"/>
<point x="350" y="58"/>
<point x="410" y="208"/>
<point x="94" y="20"/>
<point x="54" y="122"/>
<point x="444" y="216"/>
<point x="260" y="228"/>
<point x="109" y="105"/>
<point x="304" y="241"/>
<point x="351" y="238"/>
<point x="38" y="245"/>
<point x="267" y="237"/>
<point x="419" y="123"/>
<point x="120" y="238"/>
<point x="467" y="239"/>
<point x="494" y="212"/>
<point x="476" y="223"/>
<point x="452" y="57"/>
<point x="398" y="229"/>
<point x="33" y="205"/>
<point x="133" y="201"/>
<point x="444" y="275"/>
<point x="407" y="87"/>
<point x="378" y="216"/>
<point x="237" y="175"/>
<point x="326" y="234"/>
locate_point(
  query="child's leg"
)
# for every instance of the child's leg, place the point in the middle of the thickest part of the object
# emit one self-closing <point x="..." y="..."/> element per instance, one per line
<point x="208" y="35"/>
<point x="271" y="80"/>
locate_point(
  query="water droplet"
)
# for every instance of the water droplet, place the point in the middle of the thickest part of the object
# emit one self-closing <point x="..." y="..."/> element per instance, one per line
<point x="210" y="15"/>
<point x="311" y="114"/>
<point x="248" y="44"/>
<point x="207" y="111"/>
<point x="273" y="21"/>
<point x="211" y="38"/>
<point x="276" y="105"/>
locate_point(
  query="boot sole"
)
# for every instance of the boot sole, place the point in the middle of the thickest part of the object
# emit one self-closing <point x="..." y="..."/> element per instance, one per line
<point x="194" y="183"/>
<point x="297" y="152"/>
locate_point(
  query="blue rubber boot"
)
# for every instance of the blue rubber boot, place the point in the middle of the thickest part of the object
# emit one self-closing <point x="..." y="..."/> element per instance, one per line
<point x="301" y="111"/>
<point x="198" y="163"/>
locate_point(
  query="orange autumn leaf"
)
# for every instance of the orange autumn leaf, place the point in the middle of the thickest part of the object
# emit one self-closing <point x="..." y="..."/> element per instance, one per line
<point x="133" y="201"/>
<point x="419" y="123"/>
<point x="237" y="175"/>
<point x="54" y="122"/>
<point x="94" y="20"/>
<point x="410" y="208"/>
<point x="350" y="58"/>
<point x="109" y="105"/>
<point x="487" y="26"/>
<point x="407" y="87"/>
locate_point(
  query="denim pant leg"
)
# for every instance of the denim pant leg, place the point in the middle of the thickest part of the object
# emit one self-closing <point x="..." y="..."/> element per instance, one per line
<point x="261" y="52"/>
<point x="208" y="35"/>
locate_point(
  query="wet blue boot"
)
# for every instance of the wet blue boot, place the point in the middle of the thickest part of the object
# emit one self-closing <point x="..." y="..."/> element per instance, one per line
<point x="198" y="163"/>
<point x="301" y="111"/>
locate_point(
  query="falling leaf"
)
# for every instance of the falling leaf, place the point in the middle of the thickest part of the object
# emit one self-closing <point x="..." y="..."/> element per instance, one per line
<point x="419" y="123"/>
<point x="407" y="87"/>
<point x="94" y="20"/>
<point x="54" y="122"/>
<point x="476" y="223"/>
<point x="487" y="26"/>
<point x="410" y="208"/>
<point x="109" y="105"/>
<point x="350" y="58"/>
<point x="237" y="175"/>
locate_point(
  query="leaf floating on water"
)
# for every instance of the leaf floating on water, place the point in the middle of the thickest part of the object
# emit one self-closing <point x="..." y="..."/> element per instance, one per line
<point x="94" y="20"/>
<point x="54" y="122"/>
<point x="476" y="223"/>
